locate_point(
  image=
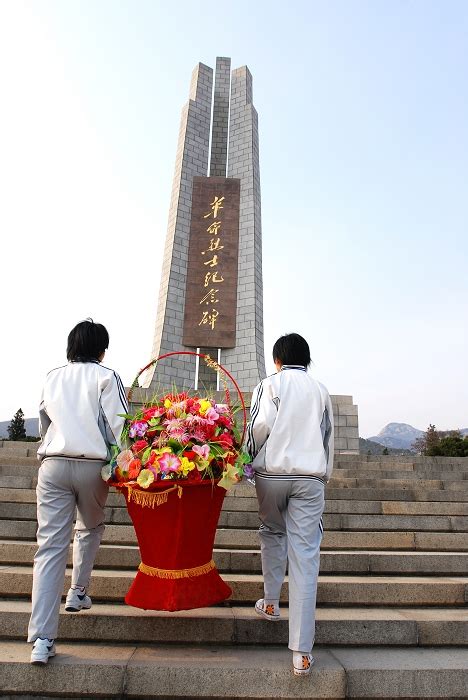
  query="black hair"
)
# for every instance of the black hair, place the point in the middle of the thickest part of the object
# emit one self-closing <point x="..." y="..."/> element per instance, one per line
<point x="292" y="349"/>
<point x="87" y="341"/>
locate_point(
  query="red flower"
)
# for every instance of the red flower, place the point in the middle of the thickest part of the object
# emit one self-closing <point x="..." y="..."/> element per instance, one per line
<point x="151" y="459"/>
<point x="151" y="413"/>
<point x="193" y="406"/>
<point x="190" y="454"/>
<point x="139" y="446"/>
<point x="134" y="468"/>
<point x="225" y="440"/>
<point x="225" y="421"/>
<point x="210" y="431"/>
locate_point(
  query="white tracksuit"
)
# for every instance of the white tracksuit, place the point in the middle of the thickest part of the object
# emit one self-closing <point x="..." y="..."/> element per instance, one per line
<point x="78" y="421"/>
<point x="290" y="440"/>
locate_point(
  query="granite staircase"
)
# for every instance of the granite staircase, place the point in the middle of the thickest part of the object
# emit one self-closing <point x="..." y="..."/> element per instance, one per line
<point x="392" y="618"/>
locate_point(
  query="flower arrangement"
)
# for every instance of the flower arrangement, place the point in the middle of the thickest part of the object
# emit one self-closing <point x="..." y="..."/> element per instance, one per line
<point x="179" y="437"/>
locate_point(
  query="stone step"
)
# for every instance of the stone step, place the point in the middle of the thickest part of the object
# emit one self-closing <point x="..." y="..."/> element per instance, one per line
<point x="370" y="492"/>
<point x="241" y="625"/>
<point x="112" y="585"/>
<point x="23" y="466"/>
<point x="248" y="539"/>
<point x="16" y="482"/>
<point x="382" y="483"/>
<point x="250" y="520"/>
<point x="250" y="504"/>
<point x="394" y="460"/>
<point x="426" y="474"/>
<point x="127" y="671"/>
<point x="407" y="467"/>
<point x="248" y="561"/>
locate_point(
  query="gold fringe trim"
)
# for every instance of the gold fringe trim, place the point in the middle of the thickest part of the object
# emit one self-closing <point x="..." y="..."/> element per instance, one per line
<point x="151" y="499"/>
<point x="177" y="573"/>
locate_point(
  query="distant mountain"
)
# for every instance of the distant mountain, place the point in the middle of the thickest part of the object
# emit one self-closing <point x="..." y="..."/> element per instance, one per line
<point x="31" y="425"/>
<point x="399" y="436"/>
<point x="376" y="448"/>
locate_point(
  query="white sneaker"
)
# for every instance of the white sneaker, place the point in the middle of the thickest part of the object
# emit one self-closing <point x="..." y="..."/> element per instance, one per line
<point x="77" y="600"/>
<point x="302" y="663"/>
<point x="270" y="611"/>
<point x="42" y="651"/>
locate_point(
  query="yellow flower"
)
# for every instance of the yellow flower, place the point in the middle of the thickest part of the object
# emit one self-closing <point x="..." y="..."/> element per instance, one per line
<point x="145" y="478"/>
<point x="229" y="478"/>
<point x="203" y="464"/>
<point x="167" y="403"/>
<point x="162" y="450"/>
<point x="204" y="406"/>
<point x="186" y="466"/>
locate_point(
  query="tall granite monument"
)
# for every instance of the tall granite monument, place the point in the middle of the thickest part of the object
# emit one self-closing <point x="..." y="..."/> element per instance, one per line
<point x="211" y="295"/>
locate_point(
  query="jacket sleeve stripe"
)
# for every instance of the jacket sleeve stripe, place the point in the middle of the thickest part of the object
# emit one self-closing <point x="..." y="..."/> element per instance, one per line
<point x="251" y="447"/>
<point x="123" y="398"/>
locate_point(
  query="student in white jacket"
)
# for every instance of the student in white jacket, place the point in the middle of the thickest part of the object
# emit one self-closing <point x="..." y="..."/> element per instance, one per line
<point x="78" y="421"/>
<point x="290" y="441"/>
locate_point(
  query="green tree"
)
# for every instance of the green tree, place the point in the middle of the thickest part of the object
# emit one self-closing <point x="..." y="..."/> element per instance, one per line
<point x="428" y="440"/>
<point x="451" y="444"/>
<point x="385" y="451"/>
<point x="16" y="429"/>
<point x="436" y="443"/>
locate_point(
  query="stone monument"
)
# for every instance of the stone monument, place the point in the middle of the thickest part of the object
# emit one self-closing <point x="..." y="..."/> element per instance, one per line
<point x="211" y="292"/>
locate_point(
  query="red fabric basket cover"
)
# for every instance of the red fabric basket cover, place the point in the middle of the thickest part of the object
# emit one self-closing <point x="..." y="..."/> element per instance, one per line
<point x="178" y="534"/>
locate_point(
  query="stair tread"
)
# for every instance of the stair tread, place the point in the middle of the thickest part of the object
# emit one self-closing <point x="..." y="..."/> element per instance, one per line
<point x="154" y="671"/>
<point x="248" y="612"/>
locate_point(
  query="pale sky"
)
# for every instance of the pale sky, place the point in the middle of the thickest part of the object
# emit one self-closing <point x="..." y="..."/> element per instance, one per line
<point x="363" y="112"/>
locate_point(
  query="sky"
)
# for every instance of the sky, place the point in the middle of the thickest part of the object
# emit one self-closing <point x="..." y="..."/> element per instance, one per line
<point x="363" y="113"/>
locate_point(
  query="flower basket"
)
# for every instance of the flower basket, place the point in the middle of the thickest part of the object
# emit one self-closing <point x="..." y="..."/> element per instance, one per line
<point x="183" y="452"/>
<point x="176" y="527"/>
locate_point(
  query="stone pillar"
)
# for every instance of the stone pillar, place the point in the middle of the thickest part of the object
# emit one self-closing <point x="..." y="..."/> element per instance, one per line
<point x="346" y="424"/>
<point x="220" y="127"/>
<point x="247" y="360"/>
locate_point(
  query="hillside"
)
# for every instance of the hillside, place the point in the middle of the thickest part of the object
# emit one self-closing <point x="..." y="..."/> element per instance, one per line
<point x="375" y="448"/>
<point x="399" y="436"/>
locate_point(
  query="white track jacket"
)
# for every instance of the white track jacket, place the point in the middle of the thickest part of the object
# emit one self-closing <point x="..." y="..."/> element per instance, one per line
<point x="79" y="412"/>
<point x="290" y="433"/>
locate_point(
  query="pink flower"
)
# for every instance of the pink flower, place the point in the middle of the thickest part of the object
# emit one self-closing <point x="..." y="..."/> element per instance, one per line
<point x="124" y="459"/>
<point x="211" y="415"/>
<point x="138" y="428"/>
<point x="176" y="409"/>
<point x="169" y="462"/>
<point x="173" y="424"/>
<point x="202" y="451"/>
<point x="199" y="434"/>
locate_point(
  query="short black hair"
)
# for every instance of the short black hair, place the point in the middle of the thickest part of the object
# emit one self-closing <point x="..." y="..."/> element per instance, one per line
<point x="87" y="341"/>
<point x="292" y="349"/>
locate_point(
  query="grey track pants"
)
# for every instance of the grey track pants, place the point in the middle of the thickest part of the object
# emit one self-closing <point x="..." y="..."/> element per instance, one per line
<point x="291" y="533"/>
<point x="64" y="485"/>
